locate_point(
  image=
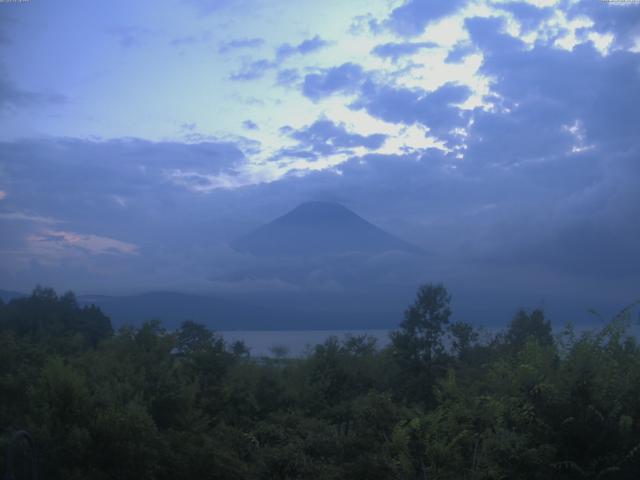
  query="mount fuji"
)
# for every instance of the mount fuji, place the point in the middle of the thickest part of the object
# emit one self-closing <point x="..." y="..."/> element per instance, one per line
<point x="317" y="229"/>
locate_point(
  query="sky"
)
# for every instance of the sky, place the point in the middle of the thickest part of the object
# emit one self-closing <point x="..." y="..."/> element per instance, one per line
<point x="140" y="138"/>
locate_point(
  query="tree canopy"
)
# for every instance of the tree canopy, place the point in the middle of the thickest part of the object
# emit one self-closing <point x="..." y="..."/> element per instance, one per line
<point x="147" y="403"/>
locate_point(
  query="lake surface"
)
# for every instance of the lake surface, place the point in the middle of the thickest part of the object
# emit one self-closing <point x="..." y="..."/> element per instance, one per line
<point x="295" y="341"/>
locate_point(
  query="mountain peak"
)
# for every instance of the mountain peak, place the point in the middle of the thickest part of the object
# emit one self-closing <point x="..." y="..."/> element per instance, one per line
<point x="317" y="211"/>
<point x="319" y="228"/>
<point x="321" y="206"/>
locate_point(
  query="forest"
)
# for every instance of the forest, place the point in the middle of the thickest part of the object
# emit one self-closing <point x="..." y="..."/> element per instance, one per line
<point x="444" y="400"/>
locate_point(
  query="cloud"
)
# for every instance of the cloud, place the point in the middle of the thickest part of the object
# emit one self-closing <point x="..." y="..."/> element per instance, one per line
<point x="567" y="137"/>
<point x="529" y="16"/>
<point x="25" y="217"/>
<point x="622" y="20"/>
<point x="411" y="18"/>
<point x="142" y="193"/>
<point x="130" y="36"/>
<point x="254" y="70"/>
<point x="323" y="132"/>
<point x="459" y="52"/>
<point x="396" y="50"/>
<point x="189" y="126"/>
<point x="345" y="78"/>
<point x="59" y="243"/>
<point x="325" y="138"/>
<point x="488" y="34"/>
<point x="250" y="125"/>
<point x="436" y="110"/>
<point x="187" y="40"/>
<point x="13" y="97"/>
<point x="540" y="110"/>
<point x="287" y="77"/>
<point x="120" y="167"/>
<point x="305" y="47"/>
<point x="240" y="43"/>
<point x="311" y="45"/>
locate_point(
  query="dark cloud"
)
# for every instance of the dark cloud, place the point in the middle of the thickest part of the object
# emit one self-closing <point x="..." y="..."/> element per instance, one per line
<point x="325" y="132"/>
<point x="413" y="16"/>
<point x="529" y="218"/>
<point x="488" y="33"/>
<point x="250" y="125"/>
<point x="115" y="167"/>
<point x="287" y="77"/>
<point x="12" y="96"/>
<point x="258" y="68"/>
<point x="396" y="50"/>
<point x="189" y="126"/>
<point x="254" y="70"/>
<point x="344" y="79"/>
<point x="459" y="52"/>
<point x="569" y="137"/>
<point x="323" y="138"/>
<point x="311" y="45"/>
<point x="305" y="47"/>
<point x="529" y="16"/>
<point x="620" y="19"/>
<point x="296" y="152"/>
<point x="133" y="191"/>
<point x="240" y="43"/>
<point x="435" y="110"/>
<point x="598" y="92"/>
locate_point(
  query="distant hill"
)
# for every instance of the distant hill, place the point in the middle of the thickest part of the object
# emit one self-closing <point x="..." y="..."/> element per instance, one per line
<point x="172" y="308"/>
<point x="8" y="295"/>
<point x="319" y="228"/>
<point x="278" y="313"/>
<point x="310" y="311"/>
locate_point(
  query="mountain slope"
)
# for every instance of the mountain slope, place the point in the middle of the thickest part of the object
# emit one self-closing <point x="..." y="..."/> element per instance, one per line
<point x="319" y="228"/>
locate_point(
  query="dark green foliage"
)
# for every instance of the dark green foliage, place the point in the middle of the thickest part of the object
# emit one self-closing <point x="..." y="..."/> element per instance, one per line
<point x="418" y="346"/>
<point x="57" y="322"/>
<point x="146" y="403"/>
<point x="525" y="327"/>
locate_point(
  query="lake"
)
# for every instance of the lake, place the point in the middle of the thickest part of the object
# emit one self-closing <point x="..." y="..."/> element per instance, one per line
<point x="261" y="342"/>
